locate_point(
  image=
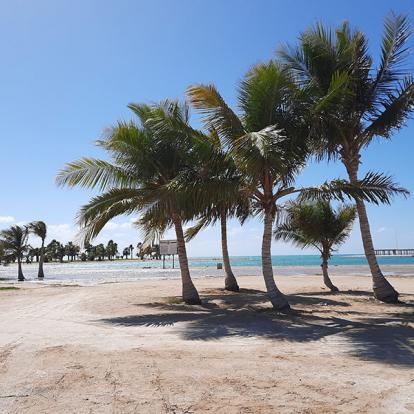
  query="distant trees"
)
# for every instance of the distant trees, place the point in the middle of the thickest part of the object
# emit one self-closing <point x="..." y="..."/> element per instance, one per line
<point x="111" y="250"/>
<point x="126" y="252"/>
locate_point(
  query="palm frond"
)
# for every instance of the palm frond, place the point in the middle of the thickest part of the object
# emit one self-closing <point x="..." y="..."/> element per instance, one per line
<point x="394" y="51"/>
<point x="374" y="188"/>
<point x="217" y="115"/>
<point x="396" y="108"/>
<point x="93" y="173"/>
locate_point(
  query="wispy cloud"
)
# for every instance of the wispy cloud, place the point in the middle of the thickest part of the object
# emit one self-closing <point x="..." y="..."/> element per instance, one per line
<point x="7" y="219"/>
<point x="381" y="230"/>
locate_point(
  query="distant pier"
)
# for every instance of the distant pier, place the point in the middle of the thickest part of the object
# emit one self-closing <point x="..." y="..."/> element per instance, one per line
<point x="394" y="252"/>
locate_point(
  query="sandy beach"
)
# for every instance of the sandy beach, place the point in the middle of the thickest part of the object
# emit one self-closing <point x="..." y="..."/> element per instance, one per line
<point x="131" y="347"/>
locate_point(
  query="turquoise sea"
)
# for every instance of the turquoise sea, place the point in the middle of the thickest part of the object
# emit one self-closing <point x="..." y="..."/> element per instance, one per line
<point x="300" y="260"/>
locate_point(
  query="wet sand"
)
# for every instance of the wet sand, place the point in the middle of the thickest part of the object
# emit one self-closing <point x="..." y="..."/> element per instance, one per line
<point x="132" y="347"/>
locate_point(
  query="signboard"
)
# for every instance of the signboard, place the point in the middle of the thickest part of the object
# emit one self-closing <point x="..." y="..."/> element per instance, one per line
<point x="168" y="247"/>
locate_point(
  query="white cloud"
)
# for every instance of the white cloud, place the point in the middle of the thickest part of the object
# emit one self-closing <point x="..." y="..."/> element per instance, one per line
<point x="61" y="232"/>
<point x="7" y="219"/>
<point x="381" y="229"/>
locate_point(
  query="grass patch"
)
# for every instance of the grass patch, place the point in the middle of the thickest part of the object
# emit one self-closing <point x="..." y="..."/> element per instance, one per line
<point x="9" y="288"/>
<point x="174" y="300"/>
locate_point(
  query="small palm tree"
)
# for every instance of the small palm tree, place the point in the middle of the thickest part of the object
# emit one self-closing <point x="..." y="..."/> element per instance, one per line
<point x="14" y="243"/>
<point x="39" y="229"/>
<point x="317" y="225"/>
<point x="353" y="102"/>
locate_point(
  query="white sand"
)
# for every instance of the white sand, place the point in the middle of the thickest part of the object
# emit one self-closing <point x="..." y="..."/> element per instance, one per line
<point x="125" y="348"/>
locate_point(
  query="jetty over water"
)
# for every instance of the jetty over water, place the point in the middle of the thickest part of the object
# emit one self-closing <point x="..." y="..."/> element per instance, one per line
<point x="394" y="252"/>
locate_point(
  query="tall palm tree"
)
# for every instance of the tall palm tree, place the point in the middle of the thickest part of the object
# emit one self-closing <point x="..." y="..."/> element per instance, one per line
<point x="145" y="160"/>
<point x="14" y="243"/>
<point x="39" y="229"/>
<point x="317" y="225"/>
<point x="268" y="142"/>
<point x="221" y="171"/>
<point x="353" y="102"/>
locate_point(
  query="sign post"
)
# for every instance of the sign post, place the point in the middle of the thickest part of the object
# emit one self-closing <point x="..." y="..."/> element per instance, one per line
<point x="168" y="247"/>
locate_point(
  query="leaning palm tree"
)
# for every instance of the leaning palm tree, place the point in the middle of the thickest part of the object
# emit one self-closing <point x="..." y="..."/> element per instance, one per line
<point x="14" y="244"/>
<point x="268" y="142"/>
<point x="39" y="229"/>
<point x="221" y="169"/>
<point x="317" y="225"/>
<point x="145" y="160"/>
<point x="354" y="102"/>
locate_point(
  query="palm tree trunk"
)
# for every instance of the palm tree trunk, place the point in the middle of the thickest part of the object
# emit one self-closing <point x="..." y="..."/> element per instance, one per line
<point x="383" y="290"/>
<point x="20" y="276"/>
<point x="230" y="282"/>
<point x="190" y="294"/>
<point x="277" y="298"/>
<point x="326" y="279"/>
<point x="40" y="274"/>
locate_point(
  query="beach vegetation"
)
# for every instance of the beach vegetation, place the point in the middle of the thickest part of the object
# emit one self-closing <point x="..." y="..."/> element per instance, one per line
<point x="39" y="229"/>
<point x="318" y="225"/>
<point x="354" y="102"/>
<point x="14" y="243"/>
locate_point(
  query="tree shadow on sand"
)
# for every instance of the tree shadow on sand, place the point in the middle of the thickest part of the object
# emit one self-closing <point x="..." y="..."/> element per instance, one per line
<point x="388" y="339"/>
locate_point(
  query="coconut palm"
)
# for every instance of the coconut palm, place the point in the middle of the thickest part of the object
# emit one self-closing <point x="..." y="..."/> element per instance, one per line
<point x="221" y="169"/>
<point x="39" y="229"/>
<point x="318" y="225"/>
<point x="14" y="244"/>
<point x="353" y="102"/>
<point x="139" y="178"/>
<point x="268" y="142"/>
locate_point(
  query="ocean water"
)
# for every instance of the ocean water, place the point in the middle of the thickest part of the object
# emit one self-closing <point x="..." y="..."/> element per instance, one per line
<point x="85" y="273"/>
<point x="301" y="260"/>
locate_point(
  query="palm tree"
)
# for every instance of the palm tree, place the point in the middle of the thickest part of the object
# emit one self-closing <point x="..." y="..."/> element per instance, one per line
<point x="268" y="142"/>
<point x="139" y="178"/>
<point x="353" y="102"/>
<point x="126" y="252"/>
<point x="317" y="225"/>
<point x="221" y="171"/>
<point x="39" y="229"/>
<point x="131" y="250"/>
<point x="14" y="243"/>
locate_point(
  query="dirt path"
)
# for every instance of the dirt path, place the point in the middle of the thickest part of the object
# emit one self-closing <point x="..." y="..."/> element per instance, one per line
<point x="130" y="348"/>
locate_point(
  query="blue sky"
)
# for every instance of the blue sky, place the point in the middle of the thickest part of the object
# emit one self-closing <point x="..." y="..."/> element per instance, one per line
<point x="69" y="68"/>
